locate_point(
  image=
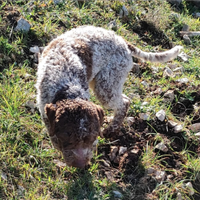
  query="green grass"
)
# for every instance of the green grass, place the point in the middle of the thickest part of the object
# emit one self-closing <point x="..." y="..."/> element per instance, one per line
<point x="29" y="166"/>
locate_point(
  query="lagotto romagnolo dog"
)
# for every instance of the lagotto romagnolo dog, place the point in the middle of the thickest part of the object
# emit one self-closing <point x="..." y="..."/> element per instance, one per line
<point x="85" y="57"/>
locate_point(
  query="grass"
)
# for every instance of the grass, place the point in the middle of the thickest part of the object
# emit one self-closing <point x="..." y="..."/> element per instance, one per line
<point x="31" y="169"/>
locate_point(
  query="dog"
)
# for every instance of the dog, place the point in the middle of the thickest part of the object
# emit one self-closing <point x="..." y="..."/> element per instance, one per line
<point x="82" y="58"/>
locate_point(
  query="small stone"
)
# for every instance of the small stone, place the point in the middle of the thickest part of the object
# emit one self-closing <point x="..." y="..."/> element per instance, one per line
<point x="150" y="171"/>
<point x="130" y="120"/>
<point x="145" y="103"/>
<point x="196" y="15"/>
<point x="197" y="134"/>
<point x="57" y="1"/>
<point x="178" y="128"/>
<point x="22" y="25"/>
<point x="122" y="150"/>
<point x="117" y="194"/>
<point x="34" y="49"/>
<point x="179" y="196"/>
<point x="112" y="25"/>
<point x="195" y="127"/>
<point x="59" y="163"/>
<point x="3" y="176"/>
<point x="190" y="187"/>
<point x="135" y="151"/>
<point x="155" y="69"/>
<point x="172" y="123"/>
<point x="161" y="115"/>
<point x="158" y="91"/>
<point x="170" y="177"/>
<point x="113" y="153"/>
<point x="187" y="40"/>
<point x="144" y="116"/>
<point x="168" y="72"/>
<point x="144" y="83"/>
<point x="123" y="12"/>
<point x="183" y="80"/>
<point x="160" y="176"/>
<point x="183" y="56"/>
<point x="169" y="95"/>
<point x="161" y="146"/>
<point x="185" y="27"/>
<point x="179" y="69"/>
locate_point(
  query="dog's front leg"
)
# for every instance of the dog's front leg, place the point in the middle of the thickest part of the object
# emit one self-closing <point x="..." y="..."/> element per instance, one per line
<point x="119" y="115"/>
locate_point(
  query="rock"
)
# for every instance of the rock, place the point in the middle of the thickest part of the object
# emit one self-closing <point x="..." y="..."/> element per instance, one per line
<point x="161" y="146"/>
<point x="175" y="2"/>
<point x="30" y="104"/>
<point x="172" y="123"/>
<point x="136" y="68"/>
<point x="145" y="103"/>
<point x="179" y="69"/>
<point x="135" y="151"/>
<point x="22" y="25"/>
<point x="117" y="194"/>
<point x="196" y="15"/>
<point x="59" y="163"/>
<point x="4" y="176"/>
<point x="158" y="91"/>
<point x="169" y="95"/>
<point x="155" y="69"/>
<point x="160" y="176"/>
<point x="185" y="27"/>
<point x="123" y="12"/>
<point x="150" y="171"/>
<point x="20" y="190"/>
<point x="183" y="80"/>
<point x="161" y="115"/>
<point x="183" y="56"/>
<point x="179" y="196"/>
<point x="34" y="49"/>
<point x="130" y="120"/>
<point x="144" y="116"/>
<point x="170" y="177"/>
<point x="122" y="150"/>
<point x="168" y="72"/>
<point x="144" y="83"/>
<point x="190" y="187"/>
<point x="187" y="40"/>
<point x="112" y="25"/>
<point x="197" y="134"/>
<point x="113" y="153"/>
<point x="57" y="1"/>
<point x="195" y="127"/>
<point x="178" y="128"/>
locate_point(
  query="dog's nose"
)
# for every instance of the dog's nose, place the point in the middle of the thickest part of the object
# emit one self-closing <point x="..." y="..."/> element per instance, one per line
<point x="79" y="164"/>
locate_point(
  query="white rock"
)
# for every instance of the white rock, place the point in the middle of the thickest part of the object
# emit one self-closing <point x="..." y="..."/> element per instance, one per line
<point x="155" y="69"/>
<point x="22" y="25"/>
<point x="144" y="116"/>
<point x="160" y="176"/>
<point x="158" y="91"/>
<point x="178" y="128"/>
<point x="183" y="80"/>
<point x="179" y="69"/>
<point x="172" y="123"/>
<point x="122" y="150"/>
<point x="161" y="146"/>
<point x="4" y="176"/>
<point x="130" y="120"/>
<point x="179" y="196"/>
<point x="145" y="83"/>
<point x="145" y="103"/>
<point x="169" y="95"/>
<point x="161" y="115"/>
<point x="190" y="187"/>
<point x="195" y="127"/>
<point x="168" y="72"/>
<point x="197" y="134"/>
<point x="34" y="49"/>
<point x="183" y="56"/>
<point x="117" y="194"/>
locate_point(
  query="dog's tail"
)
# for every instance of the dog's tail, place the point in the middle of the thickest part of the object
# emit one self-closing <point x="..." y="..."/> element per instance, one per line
<point x="155" y="57"/>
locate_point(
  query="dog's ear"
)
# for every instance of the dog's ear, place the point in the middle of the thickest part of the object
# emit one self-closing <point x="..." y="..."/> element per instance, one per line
<point x="50" y="110"/>
<point x="100" y="114"/>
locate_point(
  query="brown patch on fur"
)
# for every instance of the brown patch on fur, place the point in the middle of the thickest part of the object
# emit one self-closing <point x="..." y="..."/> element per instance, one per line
<point x="131" y="47"/>
<point x="74" y="126"/>
<point x="51" y="45"/>
<point x="85" y="53"/>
